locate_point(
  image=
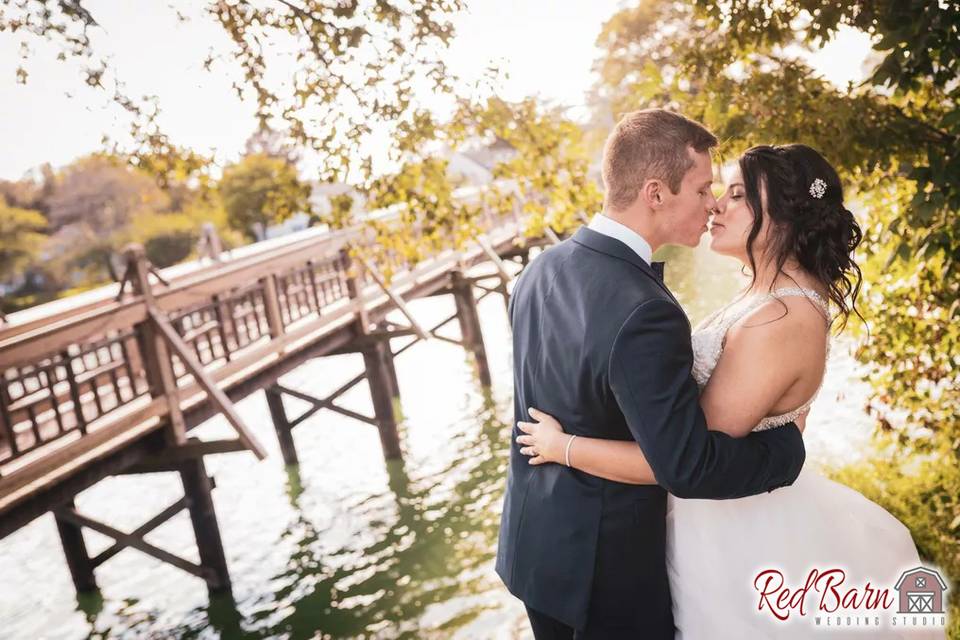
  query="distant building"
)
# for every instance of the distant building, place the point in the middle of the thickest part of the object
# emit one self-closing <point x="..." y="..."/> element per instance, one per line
<point x="320" y="194"/>
<point x="474" y="166"/>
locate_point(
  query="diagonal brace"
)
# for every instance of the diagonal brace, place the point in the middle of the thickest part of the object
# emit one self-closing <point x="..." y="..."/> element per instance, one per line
<point x="214" y="393"/>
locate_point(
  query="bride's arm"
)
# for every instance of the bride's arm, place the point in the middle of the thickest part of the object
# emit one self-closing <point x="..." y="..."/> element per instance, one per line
<point x="617" y="460"/>
<point x="760" y="361"/>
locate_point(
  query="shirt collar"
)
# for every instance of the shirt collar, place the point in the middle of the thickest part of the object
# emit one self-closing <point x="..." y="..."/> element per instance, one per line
<point x="610" y="227"/>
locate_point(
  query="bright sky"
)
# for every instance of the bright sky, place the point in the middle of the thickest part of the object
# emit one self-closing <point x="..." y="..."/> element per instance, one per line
<point x="547" y="47"/>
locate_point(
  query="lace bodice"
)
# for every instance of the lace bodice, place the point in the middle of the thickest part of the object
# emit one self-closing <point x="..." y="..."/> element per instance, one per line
<point x="708" y="339"/>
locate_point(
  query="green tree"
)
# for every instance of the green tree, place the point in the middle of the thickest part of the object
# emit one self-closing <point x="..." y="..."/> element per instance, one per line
<point x="260" y="190"/>
<point x="21" y="238"/>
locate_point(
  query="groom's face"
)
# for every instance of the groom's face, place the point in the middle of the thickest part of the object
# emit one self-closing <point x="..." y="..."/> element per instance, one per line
<point x="690" y="208"/>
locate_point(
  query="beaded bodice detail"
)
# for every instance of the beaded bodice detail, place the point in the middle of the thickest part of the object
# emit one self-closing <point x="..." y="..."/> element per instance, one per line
<point x="708" y="341"/>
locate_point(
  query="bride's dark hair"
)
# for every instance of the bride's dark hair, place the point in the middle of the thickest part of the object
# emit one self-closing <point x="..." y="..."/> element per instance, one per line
<point x="819" y="232"/>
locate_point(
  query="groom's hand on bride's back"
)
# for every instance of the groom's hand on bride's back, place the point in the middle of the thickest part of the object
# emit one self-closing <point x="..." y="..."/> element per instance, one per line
<point x="801" y="421"/>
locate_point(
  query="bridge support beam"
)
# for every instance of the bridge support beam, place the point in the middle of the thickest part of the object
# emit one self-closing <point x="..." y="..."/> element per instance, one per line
<point x="281" y="423"/>
<point x="462" y="289"/>
<point x="197" y="499"/>
<point x="198" y="490"/>
<point x="381" y="376"/>
<point x="382" y="380"/>
<point x="75" y="550"/>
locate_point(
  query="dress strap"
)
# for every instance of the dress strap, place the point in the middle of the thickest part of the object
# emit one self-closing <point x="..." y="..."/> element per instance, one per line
<point x="810" y="294"/>
<point x="784" y="292"/>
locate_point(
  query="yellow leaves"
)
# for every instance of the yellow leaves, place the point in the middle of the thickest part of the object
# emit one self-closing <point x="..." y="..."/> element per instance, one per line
<point x="21" y="236"/>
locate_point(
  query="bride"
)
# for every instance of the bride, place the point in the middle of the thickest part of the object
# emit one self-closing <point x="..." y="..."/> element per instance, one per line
<point x="729" y="560"/>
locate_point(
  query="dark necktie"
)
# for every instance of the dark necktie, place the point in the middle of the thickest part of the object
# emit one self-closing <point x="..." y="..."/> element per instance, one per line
<point x="658" y="269"/>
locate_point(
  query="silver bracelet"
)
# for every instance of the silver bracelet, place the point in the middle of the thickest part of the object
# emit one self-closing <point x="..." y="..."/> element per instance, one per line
<point x="566" y="454"/>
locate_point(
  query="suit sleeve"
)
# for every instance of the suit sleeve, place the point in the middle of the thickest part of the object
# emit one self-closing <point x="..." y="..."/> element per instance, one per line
<point x="650" y="375"/>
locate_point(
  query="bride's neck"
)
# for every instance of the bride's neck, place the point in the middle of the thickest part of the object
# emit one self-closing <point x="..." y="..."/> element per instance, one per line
<point x="769" y="278"/>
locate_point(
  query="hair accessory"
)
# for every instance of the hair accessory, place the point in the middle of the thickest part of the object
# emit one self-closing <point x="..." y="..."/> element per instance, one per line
<point x="818" y="188"/>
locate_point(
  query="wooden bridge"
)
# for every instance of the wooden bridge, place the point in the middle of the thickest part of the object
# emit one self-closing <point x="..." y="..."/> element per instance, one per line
<point x="114" y="384"/>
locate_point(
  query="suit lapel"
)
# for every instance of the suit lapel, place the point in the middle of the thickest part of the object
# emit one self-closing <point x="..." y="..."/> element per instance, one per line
<point x="614" y="248"/>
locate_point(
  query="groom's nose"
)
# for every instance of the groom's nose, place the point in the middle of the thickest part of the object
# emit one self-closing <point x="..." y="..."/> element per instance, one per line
<point x="711" y="203"/>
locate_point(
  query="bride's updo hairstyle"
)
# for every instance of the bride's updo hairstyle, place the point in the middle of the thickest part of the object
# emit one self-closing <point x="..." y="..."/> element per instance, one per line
<point x="809" y="221"/>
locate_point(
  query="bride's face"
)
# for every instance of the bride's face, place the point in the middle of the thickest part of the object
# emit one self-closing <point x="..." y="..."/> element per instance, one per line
<point x="731" y="224"/>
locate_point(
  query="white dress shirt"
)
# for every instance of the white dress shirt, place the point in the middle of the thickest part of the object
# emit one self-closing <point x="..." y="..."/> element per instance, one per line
<point x="610" y="227"/>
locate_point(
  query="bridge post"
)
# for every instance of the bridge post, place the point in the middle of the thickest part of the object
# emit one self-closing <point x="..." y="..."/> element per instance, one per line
<point x="470" y="323"/>
<point x="75" y="550"/>
<point x="197" y="487"/>
<point x="281" y="423"/>
<point x="388" y="359"/>
<point x="505" y="294"/>
<point x="378" y="361"/>
<point x="380" y="372"/>
<point x="162" y="380"/>
<point x="157" y="365"/>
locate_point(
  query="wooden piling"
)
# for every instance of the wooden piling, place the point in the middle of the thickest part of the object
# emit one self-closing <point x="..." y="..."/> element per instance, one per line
<point x="379" y="375"/>
<point x="75" y="550"/>
<point x="198" y="488"/>
<point x="281" y="423"/>
<point x="391" y="365"/>
<point x="470" y="323"/>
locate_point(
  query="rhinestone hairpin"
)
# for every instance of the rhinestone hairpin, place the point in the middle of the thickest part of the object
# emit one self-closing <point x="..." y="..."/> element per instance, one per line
<point x="818" y="188"/>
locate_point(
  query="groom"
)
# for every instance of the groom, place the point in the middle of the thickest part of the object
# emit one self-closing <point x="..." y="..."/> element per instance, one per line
<point x="600" y="343"/>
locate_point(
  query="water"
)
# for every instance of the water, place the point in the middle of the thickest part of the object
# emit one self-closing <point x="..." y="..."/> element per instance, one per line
<point x="346" y="545"/>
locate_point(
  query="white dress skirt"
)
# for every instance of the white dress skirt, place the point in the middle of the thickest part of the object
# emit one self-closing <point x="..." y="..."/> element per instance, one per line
<point x="717" y="548"/>
<point x="729" y="561"/>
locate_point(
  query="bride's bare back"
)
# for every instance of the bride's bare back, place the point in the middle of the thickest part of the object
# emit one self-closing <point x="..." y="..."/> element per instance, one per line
<point x="761" y="363"/>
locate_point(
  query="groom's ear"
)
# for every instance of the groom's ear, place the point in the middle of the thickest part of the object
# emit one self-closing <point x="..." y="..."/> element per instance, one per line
<point x="652" y="192"/>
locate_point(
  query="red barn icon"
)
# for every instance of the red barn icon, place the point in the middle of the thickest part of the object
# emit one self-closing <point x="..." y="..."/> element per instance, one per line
<point x="921" y="591"/>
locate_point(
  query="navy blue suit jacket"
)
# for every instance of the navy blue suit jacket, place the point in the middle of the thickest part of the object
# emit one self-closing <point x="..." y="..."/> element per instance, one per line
<point x="602" y="344"/>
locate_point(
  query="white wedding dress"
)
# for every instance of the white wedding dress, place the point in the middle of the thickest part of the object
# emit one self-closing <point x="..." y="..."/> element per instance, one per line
<point x="716" y="548"/>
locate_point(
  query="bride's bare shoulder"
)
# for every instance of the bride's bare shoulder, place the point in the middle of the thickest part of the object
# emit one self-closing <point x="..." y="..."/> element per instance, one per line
<point x="792" y="321"/>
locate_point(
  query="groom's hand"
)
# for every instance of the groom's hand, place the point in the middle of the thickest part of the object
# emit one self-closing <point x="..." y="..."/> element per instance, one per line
<point x="801" y="421"/>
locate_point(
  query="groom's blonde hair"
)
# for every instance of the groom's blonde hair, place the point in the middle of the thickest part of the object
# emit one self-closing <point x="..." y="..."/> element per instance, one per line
<point x="649" y="144"/>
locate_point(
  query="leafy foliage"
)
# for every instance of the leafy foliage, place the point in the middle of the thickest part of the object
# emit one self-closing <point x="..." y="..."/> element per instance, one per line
<point x="540" y="175"/>
<point x="21" y="237"/>
<point x="548" y="174"/>
<point x="260" y="190"/>
<point x="357" y="65"/>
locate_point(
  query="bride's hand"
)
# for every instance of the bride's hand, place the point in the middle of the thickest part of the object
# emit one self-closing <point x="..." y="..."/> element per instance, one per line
<point x="544" y="440"/>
